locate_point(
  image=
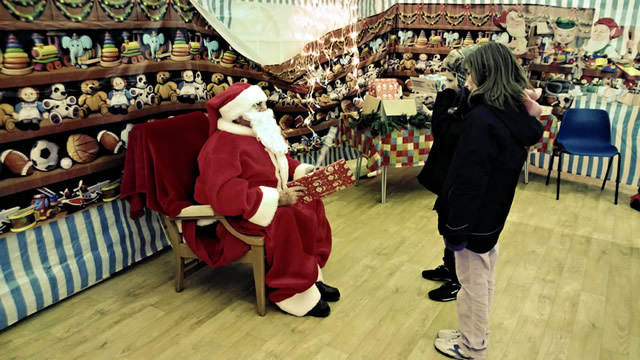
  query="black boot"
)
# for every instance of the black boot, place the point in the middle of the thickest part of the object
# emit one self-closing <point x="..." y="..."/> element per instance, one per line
<point x="328" y="293"/>
<point x="321" y="309"/>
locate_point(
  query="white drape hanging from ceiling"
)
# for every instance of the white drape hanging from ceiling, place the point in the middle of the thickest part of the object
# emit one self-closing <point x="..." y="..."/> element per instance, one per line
<point x="271" y="32"/>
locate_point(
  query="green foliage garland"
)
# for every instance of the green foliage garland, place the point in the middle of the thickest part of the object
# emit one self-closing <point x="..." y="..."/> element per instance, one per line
<point x="373" y="122"/>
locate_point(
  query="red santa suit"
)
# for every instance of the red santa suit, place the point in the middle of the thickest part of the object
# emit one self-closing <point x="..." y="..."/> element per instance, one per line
<point x="241" y="178"/>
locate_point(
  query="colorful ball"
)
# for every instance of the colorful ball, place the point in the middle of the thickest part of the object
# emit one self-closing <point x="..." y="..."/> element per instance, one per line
<point x="44" y="155"/>
<point x="82" y="148"/>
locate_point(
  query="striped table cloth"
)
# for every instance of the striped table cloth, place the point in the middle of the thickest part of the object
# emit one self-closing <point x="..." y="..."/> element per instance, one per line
<point x="48" y="263"/>
<point x="625" y="134"/>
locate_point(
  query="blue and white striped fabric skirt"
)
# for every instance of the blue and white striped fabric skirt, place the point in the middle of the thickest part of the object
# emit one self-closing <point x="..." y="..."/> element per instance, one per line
<point x="48" y="263"/>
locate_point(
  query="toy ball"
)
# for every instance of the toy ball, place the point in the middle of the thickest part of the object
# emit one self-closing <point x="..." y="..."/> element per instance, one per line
<point x="44" y="155"/>
<point x="82" y="148"/>
<point x="110" y="141"/>
<point x="124" y="134"/>
<point x="16" y="162"/>
<point x="66" y="163"/>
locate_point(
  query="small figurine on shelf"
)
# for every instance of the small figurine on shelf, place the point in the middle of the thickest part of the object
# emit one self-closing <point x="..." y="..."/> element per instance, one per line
<point x="44" y="155"/>
<point x="451" y="39"/>
<point x="468" y="40"/>
<point x="143" y="91"/>
<point x="157" y="47"/>
<point x="515" y="36"/>
<point x="599" y="44"/>
<point x="482" y="39"/>
<point x="435" y="64"/>
<point x="15" y="61"/>
<point x="81" y="50"/>
<point x="81" y="196"/>
<point x="61" y="105"/>
<point x="47" y="204"/>
<point x="180" y="48"/>
<point x="6" y="116"/>
<point x="214" y="53"/>
<point x="131" y="51"/>
<point x="435" y="40"/>
<point x="120" y="99"/>
<point x="165" y="88"/>
<point x="110" y="53"/>
<point x="124" y="134"/>
<point x="393" y="64"/>
<point x="30" y="112"/>
<point x="422" y="41"/>
<point x="92" y="100"/>
<point x="341" y="88"/>
<point x="421" y="64"/>
<point x="187" y="88"/>
<point x="201" y="87"/>
<point x="407" y="38"/>
<point x="217" y="84"/>
<point x="45" y="57"/>
<point x="229" y="58"/>
<point x="564" y="34"/>
<point x="407" y="62"/>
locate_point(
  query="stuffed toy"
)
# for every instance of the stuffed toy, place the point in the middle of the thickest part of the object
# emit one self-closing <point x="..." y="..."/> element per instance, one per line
<point x="201" y="88"/>
<point x="351" y="81"/>
<point x="421" y="64"/>
<point x="187" y="88"/>
<point x="530" y="103"/>
<point x="435" y="64"/>
<point x="92" y="100"/>
<point x="165" y="88"/>
<point x="393" y="64"/>
<point x="30" y="112"/>
<point x="60" y="105"/>
<point x="217" y="85"/>
<point x="6" y="120"/>
<point x="143" y="91"/>
<point x="120" y="100"/>
<point x="407" y="62"/>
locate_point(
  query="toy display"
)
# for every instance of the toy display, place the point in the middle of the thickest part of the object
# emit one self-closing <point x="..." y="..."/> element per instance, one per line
<point x="6" y="116"/>
<point x="15" y="61"/>
<point x="187" y="88"/>
<point x="82" y="51"/>
<point x="92" y="100"/>
<point x="45" y="57"/>
<point x="44" y="155"/>
<point x="165" y="88"/>
<point x="110" y="53"/>
<point x="217" y="84"/>
<point x="60" y="105"/>
<point x="23" y="219"/>
<point x="180" y="48"/>
<point x="120" y="100"/>
<point x="82" y="148"/>
<point x="130" y="51"/>
<point x="110" y="141"/>
<point x="157" y="47"/>
<point x="110" y="191"/>
<point x="46" y="204"/>
<point x="16" y="162"/>
<point x="81" y="196"/>
<point x="142" y="92"/>
<point x="30" y="112"/>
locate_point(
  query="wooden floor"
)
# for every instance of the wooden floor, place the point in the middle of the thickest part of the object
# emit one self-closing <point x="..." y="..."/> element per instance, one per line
<point x="568" y="287"/>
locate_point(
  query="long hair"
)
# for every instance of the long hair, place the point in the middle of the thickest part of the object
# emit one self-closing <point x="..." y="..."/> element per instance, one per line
<point x="499" y="78"/>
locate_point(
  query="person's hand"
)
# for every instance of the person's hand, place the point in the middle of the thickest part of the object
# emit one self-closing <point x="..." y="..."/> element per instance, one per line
<point x="290" y="196"/>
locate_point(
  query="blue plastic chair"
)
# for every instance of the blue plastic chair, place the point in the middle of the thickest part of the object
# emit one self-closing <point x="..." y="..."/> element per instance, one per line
<point x="585" y="132"/>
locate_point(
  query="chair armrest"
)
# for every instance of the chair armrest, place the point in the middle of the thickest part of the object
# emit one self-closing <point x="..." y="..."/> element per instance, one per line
<point x="197" y="212"/>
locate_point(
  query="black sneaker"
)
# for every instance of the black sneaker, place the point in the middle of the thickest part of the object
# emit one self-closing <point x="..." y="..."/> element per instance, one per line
<point x="447" y="292"/>
<point x="441" y="273"/>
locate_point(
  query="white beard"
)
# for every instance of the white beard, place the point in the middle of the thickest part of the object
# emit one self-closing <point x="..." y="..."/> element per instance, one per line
<point x="267" y="130"/>
<point x="519" y="32"/>
<point x="593" y="46"/>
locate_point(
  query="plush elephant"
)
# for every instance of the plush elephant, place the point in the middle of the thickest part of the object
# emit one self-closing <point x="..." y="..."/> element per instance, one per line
<point x="406" y="37"/>
<point x="154" y="41"/>
<point x="376" y="45"/>
<point x="213" y="50"/>
<point x="77" y="48"/>
<point x="450" y="38"/>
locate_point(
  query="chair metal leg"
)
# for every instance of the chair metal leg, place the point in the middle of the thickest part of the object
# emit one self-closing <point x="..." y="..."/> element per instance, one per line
<point x="558" y="180"/>
<point x="617" y="180"/>
<point x="606" y="174"/>
<point x="258" y="278"/>
<point x="553" y="154"/>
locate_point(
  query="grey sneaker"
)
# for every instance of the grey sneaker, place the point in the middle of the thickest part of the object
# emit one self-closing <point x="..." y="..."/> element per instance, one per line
<point x="449" y="334"/>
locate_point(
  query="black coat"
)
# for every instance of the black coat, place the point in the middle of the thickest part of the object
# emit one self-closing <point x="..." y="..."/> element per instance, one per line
<point x="481" y="181"/>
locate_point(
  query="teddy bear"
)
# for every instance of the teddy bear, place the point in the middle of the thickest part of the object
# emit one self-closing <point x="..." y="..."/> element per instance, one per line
<point x="165" y="88"/>
<point x="351" y="81"/>
<point x="60" y="105"/>
<point x="421" y="64"/>
<point x="217" y="85"/>
<point x="323" y="99"/>
<point x="143" y="91"/>
<point x="187" y="88"/>
<point x="6" y="119"/>
<point x="201" y="87"/>
<point x="120" y="100"/>
<point x="407" y="62"/>
<point x="92" y="100"/>
<point x="29" y="112"/>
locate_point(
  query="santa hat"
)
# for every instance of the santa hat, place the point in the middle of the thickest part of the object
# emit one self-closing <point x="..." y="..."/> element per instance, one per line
<point x="613" y="27"/>
<point x="233" y="102"/>
<point x="501" y="21"/>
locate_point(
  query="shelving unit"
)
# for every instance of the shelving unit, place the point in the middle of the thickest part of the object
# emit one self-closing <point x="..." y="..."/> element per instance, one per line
<point x="89" y="25"/>
<point x="550" y="69"/>
<point x="416" y="50"/>
<point x="303" y="131"/>
<point x="39" y="178"/>
<point x="46" y="128"/>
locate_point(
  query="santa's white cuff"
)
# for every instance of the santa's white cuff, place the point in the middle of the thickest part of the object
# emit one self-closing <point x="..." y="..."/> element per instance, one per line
<point x="300" y="304"/>
<point x="302" y="170"/>
<point x="268" y="206"/>
<point x="320" y="277"/>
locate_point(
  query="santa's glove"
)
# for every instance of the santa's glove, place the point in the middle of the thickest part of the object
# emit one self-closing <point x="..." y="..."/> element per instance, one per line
<point x="454" y="245"/>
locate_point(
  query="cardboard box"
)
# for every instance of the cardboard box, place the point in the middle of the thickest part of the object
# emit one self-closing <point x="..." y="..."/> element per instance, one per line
<point x="431" y="83"/>
<point x="385" y="89"/>
<point x="388" y="108"/>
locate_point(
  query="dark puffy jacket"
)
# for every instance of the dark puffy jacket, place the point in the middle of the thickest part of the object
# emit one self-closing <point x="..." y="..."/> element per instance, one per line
<point x="481" y="181"/>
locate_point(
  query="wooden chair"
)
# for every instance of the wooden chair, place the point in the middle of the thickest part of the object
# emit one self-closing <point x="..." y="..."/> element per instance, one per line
<point x="183" y="257"/>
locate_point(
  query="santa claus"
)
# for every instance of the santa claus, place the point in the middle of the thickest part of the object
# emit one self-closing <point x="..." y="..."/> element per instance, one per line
<point x="598" y="45"/>
<point x="244" y="170"/>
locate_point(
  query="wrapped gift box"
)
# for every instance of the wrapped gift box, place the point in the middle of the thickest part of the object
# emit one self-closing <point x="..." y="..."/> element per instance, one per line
<point x="325" y="181"/>
<point x="385" y="89"/>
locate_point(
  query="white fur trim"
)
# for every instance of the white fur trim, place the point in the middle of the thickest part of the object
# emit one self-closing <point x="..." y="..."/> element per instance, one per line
<point x="320" y="277"/>
<point x="302" y="170"/>
<point x="243" y="102"/>
<point x="205" y="222"/>
<point x="233" y="128"/>
<point x="268" y="206"/>
<point x="300" y="304"/>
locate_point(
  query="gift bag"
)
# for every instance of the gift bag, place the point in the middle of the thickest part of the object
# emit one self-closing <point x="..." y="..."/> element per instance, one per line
<point x="325" y="181"/>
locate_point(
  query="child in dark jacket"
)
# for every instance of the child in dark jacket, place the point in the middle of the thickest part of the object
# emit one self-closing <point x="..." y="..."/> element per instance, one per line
<point x="479" y="189"/>
<point x="447" y="122"/>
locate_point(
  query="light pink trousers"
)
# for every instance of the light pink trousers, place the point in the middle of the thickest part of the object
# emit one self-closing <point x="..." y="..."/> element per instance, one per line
<point x="476" y="273"/>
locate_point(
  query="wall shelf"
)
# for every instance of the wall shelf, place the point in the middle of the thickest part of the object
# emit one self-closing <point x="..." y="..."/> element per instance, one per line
<point x="402" y="73"/>
<point x="99" y="72"/>
<point x="39" y="178"/>
<point x="38" y="25"/>
<point x="302" y="131"/>
<point x="550" y="69"/>
<point x="46" y="128"/>
<point x="425" y="50"/>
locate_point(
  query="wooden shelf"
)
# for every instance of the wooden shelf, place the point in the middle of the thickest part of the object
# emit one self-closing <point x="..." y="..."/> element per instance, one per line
<point x="402" y="73"/>
<point x="425" y="50"/>
<point x="602" y="74"/>
<point x="99" y="72"/>
<point x="489" y="26"/>
<point x="550" y="69"/>
<point x="11" y="25"/>
<point x="304" y="109"/>
<point x="46" y="128"/>
<point x="39" y="178"/>
<point x="302" y="131"/>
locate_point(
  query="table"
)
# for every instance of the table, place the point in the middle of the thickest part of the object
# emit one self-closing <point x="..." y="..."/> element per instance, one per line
<point x="399" y="148"/>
